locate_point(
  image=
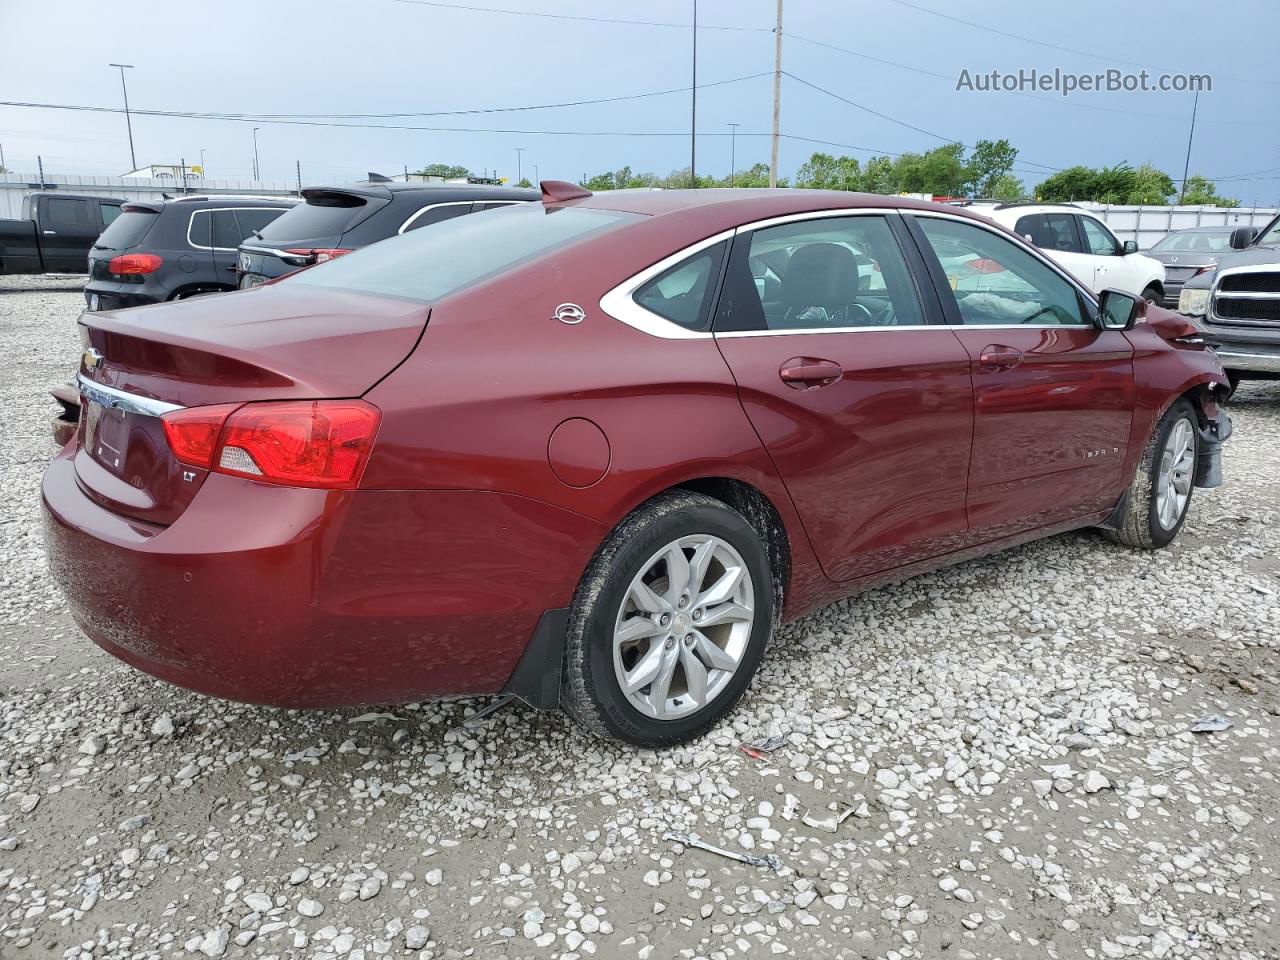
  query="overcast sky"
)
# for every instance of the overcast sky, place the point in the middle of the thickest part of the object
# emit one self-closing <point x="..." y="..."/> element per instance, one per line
<point x="291" y="57"/>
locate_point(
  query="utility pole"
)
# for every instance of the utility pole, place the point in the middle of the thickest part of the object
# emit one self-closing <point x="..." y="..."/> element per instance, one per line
<point x="777" y="97"/>
<point x="255" y="153"/>
<point x="733" y="135"/>
<point x="297" y="166"/>
<point x="693" y="120"/>
<point x="536" y="179"/>
<point x="1186" y="169"/>
<point x="519" y="168"/>
<point x="1" y="156"/>
<point x="202" y="173"/>
<point x="128" y="122"/>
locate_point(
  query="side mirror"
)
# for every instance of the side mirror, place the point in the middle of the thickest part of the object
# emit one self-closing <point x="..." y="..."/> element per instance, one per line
<point x="1130" y="246"/>
<point x="1241" y="237"/>
<point x="1119" y="310"/>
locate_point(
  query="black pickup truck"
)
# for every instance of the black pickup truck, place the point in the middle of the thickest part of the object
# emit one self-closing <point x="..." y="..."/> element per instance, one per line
<point x="55" y="233"/>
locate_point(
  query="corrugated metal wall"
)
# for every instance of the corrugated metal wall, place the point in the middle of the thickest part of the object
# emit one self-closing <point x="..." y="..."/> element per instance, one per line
<point x="1148" y="224"/>
<point x="15" y="186"/>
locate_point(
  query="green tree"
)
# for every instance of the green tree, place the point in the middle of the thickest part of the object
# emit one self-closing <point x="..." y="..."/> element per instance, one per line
<point x="447" y="170"/>
<point x="825" y="172"/>
<point x="1199" y="190"/>
<point x="941" y="171"/>
<point x="1008" y="188"/>
<point x="756" y="175"/>
<point x="990" y="161"/>
<point x="1074" y="183"/>
<point x="879" y="176"/>
<point x="1150" y="186"/>
<point x="524" y="183"/>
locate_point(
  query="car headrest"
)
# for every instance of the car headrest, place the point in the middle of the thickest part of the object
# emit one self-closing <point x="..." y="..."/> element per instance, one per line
<point x="821" y="275"/>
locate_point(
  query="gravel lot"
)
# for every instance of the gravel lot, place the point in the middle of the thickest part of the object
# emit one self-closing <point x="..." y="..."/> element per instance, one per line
<point x="1009" y="738"/>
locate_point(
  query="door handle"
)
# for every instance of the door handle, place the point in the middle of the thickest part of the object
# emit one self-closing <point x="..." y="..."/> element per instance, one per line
<point x="999" y="357"/>
<point x="806" y="373"/>
<point x="51" y="233"/>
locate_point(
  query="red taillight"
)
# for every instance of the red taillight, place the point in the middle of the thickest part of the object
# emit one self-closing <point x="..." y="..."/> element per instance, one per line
<point x="193" y="433"/>
<point x="318" y="254"/>
<point x="130" y="264"/>
<point x="303" y="443"/>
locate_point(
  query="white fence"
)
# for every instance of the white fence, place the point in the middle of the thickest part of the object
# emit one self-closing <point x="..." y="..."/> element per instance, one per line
<point x="15" y="186"/>
<point x="1148" y="224"/>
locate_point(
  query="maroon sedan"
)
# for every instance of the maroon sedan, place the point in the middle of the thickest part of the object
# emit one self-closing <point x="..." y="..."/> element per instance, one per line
<point x="591" y="451"/>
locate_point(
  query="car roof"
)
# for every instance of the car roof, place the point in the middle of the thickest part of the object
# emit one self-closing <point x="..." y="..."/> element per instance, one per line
<point x="1219" y="228"/>
<point x="192" y="202"/>
<point x="747" y="201"/>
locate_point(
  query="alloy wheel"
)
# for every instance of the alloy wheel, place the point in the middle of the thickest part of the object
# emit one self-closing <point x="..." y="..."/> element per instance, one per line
<point x="683" y="627"/>
<point x="1174" y="479"/>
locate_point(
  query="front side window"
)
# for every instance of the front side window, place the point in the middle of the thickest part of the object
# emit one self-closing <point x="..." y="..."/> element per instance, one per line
<point x="1098" y="239"/>
<point x="833" y="273"/>
<point x="683" y="293"/>
<point x="995" y="281"/>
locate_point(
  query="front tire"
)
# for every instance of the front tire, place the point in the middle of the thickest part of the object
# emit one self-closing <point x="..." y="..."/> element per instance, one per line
<point x="1153" y="294"/>
<point x="1160" y="496"/>
<point x="669" y="622"/>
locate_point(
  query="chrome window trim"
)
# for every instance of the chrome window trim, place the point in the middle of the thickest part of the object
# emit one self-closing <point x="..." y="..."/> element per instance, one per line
<point x="119" y="400"/>
<point x="212" y="210"/>
<point x="431" y="206"/>
<point x="618" y="302"/>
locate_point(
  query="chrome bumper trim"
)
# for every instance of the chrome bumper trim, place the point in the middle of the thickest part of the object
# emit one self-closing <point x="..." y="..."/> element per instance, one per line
<point x="119" y="400"/>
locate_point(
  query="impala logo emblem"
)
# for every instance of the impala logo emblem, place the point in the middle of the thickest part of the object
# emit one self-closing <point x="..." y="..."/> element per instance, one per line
<point x="570" y="313"/>
<point x="91" y="358"/>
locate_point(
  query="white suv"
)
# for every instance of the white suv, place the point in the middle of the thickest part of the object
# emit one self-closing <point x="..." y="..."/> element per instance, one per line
<point x="1083" y="245"/>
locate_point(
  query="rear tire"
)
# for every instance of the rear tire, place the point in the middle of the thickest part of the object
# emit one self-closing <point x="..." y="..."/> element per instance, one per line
<point x="1160" y="495"/>
<point x="644" y="662"/>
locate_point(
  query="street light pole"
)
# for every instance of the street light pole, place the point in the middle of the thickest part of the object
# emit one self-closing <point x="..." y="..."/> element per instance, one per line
<point x="536" y="179"/>
<point x="202" y="149"/>
<point x="693" y="120"/>
<point x="255" y="153"/>
<point x="519" y="167"/>
<point x="128" y="121"/>
<point x="777" y="97"/>
<point x="733" y="135"/>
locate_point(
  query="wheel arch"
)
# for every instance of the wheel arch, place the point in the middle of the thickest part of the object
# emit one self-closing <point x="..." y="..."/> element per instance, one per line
<point x="204" y="286"/>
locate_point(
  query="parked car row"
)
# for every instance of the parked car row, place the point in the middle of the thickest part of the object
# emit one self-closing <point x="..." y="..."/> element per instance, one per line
<point x="589" y="451"/>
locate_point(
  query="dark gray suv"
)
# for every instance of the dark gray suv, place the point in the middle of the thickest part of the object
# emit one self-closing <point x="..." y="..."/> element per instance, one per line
<point x="337" y="220"/>
<point x="173" y="249"/>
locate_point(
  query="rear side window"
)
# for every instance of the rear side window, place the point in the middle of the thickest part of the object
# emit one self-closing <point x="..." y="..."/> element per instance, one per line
<point x="253" y="221"/>
<point x="425" y="265"/>
<point x="64" y="212"/>
<point x="682" y="294"/>
<point x="435" y="214"/>
<point x="109" y="213"/>
<point x="326" y="215"/>
<point x="127" y="230"/>
<point x="1050" y="231"/>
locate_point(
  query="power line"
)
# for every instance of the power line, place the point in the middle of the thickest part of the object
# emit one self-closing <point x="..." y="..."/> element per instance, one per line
<point x="471" y="8"/>
<point x="901" y="123"/>
<point x="1052" y="46"/>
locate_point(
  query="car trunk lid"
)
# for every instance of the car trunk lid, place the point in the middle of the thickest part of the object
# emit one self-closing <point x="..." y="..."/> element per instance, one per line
<point x="265" y="344"/>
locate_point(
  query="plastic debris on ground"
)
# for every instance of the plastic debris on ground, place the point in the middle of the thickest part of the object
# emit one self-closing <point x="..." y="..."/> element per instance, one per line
<point x="758" y="749"/>
<point x="1211" y="723"/>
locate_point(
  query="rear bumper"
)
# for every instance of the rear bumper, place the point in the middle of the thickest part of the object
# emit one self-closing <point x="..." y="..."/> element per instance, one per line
<point x="118" y="296"/>
<point x="312" y="598"/>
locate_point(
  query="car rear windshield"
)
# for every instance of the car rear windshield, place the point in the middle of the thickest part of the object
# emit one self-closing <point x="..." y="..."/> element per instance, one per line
<point x="1191" y="242"/>
<point x="446" y="257"/>
<point x="324" y="215"/>
<point x="127" y="230"/>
